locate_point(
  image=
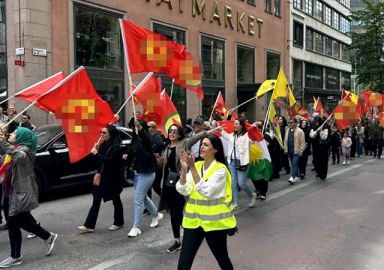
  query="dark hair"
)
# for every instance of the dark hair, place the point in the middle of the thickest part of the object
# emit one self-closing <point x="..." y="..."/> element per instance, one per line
<point x="144" y="125"/>
<point x="189" y="121"/>
<point x="179" y="130"/>
<point x="294" y="119"/>
<point x="218" y="145"/>
<point x="114" y="134"/>
<point x="242" y="124"/>
<point x="284" y="121"/>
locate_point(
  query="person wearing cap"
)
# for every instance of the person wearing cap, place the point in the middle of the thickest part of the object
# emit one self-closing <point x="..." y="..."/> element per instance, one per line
<point x="198" y="126"/>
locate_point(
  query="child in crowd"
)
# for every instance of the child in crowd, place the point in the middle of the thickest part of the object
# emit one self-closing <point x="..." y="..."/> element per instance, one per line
<point x="346" y="144"/>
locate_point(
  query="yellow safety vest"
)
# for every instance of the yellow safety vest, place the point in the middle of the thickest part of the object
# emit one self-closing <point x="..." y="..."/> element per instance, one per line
<point x="210" y="214"/>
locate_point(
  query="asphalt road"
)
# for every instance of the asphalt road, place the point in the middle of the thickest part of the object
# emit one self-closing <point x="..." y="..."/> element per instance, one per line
<point x="314" y="224"/>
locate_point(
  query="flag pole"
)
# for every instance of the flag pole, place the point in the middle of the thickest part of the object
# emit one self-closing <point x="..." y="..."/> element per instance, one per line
<point x="13" y="119"/>
<point x="173" y="81"/>
<point x="267" y="115"/>
<point x="329" y="116"/>
<point x="231" y="110"/>
<point x="215" y="104"/>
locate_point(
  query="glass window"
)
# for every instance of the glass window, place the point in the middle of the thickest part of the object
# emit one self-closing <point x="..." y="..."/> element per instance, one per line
<point x="2" y="11"/>
<point x="273" y="65"/>
<point x="297" y="4"/>
<point x="97" y="39"/>
<point x="309" y="7"/>
<point x="345" y="80"/>
<point x="268" y="5"/>
<point x="318" y="42"/>
<point x="298" y="34"/>
<point x="345" y="52"/>
<point x="179" y="94"/>
<point x="3" y="42"/>
<point x="319" y="10"/>
<point x="336" y="49"/>
<point x="345" y="25"/>
<point x="313" y="76"/>
<point x="328" y="46"/>
<point x="332" y="79"/>
<point x="309" y="40"/>
<point x="336" y="22"/>
<point x="252" y="2"/>
<point x="277" y="7"/>
<point x="328" y="15"/>
<point x="297" y="80"/>
<point x="245" y="65"/>
<point x="212" y="53"/>
<point x="110" y="91"/>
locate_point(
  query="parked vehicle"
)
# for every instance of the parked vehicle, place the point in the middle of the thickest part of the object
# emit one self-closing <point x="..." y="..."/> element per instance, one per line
<point x="54" y="170"/>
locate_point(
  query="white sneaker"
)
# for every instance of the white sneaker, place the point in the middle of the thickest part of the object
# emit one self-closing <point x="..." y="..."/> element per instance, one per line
<point x="134" y="232"/>
<point x="348" y="162"/>
<point x="253" y="200"/>
<point x="155" y="220"/>
<point x="343" y="162"/>
<point x="291" y="180"/>
<point x="296" y="179"/>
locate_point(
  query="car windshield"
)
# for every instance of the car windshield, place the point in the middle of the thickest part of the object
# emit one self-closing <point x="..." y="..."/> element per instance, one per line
<point x="45" y="133"/>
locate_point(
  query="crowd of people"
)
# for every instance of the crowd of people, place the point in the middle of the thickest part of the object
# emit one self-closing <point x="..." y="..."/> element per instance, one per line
<point x="197" y="175"/>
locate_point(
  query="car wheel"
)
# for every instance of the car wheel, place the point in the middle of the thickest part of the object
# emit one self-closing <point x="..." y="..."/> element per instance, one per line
<point x="127" y="175"/>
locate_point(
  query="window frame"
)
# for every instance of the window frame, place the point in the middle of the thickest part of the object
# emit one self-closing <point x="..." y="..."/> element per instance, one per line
<point x="298" y="42"/>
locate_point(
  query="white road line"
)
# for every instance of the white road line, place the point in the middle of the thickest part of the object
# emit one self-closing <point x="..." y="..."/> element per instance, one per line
<point x="110" y="263"/>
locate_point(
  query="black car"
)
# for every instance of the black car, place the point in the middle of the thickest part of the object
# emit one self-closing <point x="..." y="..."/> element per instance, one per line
<point x="52" y="166"/>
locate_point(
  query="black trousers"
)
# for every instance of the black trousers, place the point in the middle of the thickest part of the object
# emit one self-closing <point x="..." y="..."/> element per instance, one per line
<point x="1" y="196"/>
<point x="28" y="223"/>
<point x="217" y="242"/>
<point x="6" y="208"/>
<point x="261" y="185"/>
<point x="335" y="154"/>
<point x="118" y="216"/>
<point x="156" y="183"/>
<point x="321" y="165"/>
<point x="176" y="204"/>
<point x="353" y="149"/>
<point x="303" y="160"/>
<point x="377" y="147"/>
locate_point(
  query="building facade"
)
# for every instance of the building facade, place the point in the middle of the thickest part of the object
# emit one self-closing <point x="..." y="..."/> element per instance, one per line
<point x="240" y="43"/>
<point x="320" y="59"/>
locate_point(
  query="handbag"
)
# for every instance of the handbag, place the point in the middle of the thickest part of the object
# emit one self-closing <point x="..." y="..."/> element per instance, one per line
<point x="172" y="179"/>
<point x="237" y="161"/>
<point x="97" y="177"/>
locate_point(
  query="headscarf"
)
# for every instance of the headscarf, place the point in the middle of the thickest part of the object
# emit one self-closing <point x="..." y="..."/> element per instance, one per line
<point x="25" y="136"/>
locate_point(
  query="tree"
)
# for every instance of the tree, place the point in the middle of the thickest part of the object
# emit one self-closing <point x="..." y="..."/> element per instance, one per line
<point x="368" y="45"/>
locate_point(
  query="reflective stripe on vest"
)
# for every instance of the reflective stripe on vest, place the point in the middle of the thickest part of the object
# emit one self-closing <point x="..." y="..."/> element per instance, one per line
<point x="209" y="217"/>
<point x="208" y="203"/>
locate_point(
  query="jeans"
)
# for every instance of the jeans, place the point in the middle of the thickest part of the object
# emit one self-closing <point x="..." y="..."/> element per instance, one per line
<point x="359" y="146"/>
<point x="142" y="183"/>
<point x="26" y="222"/>
<point x="295" y="164"/>
<point x="239" y="178"/>
<point x="217" y="242"/>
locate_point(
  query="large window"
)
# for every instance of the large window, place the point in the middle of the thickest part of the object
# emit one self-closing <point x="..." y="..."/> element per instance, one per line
<point x="309" y="40"/>
<point x="212" y="53"/>
<point x="336" y="49"/>
<point x="297" y="4"/>
<point x="345" y="25"/>
<point x="319" y="10"/>
<point x="97" y="39"/>
<point x="268" y="5"/>
<point x="309" y="7"/>
<point x="345" y="52"/>
<point x="328" y="46"/>
<point x="313" y="76"/>
<point x="3" y="43"/>
<point x="245" y="65"/>
<point x="277" y="7"/>
<point x="273" y="65"/>
<point x="318" y="42"/>
<point x="297" y="80"/>
<point x="336" y="20"/>
<point x="179" y="94"/>
<point x="298" y="34"/>
<point x="332" y="79"/>
<point x="346" y="80"/>
<point x="328" y="15"/>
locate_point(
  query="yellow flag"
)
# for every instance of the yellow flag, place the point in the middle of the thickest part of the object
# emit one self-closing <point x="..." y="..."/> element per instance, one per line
<point x="314" y="103"/>
<point x="354" y="98"/>
<point x="282" y="89"/>
<point x="265" y="87"/>
<point x="275" y="129"/>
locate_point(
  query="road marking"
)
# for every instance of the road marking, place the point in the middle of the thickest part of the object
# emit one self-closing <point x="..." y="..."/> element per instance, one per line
<point x="307" y="183"/>
<point x="110" y="263"/>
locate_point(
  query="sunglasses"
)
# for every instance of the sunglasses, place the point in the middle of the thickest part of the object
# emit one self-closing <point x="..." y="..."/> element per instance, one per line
<point x="103" y="132"/>
<point x="173" y="131"/>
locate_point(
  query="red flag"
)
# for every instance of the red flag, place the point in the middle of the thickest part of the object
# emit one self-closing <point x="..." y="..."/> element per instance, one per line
<point x="83" y="113"/>
<point x="373" y="99"/>
<point x="347" y="113"/>
<point x="319" y="109"/>
<point x="169" y="114"/>
<point x="253" y="132"/>
<point x="148" y="51"/>
<point x="296" y="109"/>
<point x="34" y="92"/>
<point x="222" y="108"/>
<point x="149" y="94"/>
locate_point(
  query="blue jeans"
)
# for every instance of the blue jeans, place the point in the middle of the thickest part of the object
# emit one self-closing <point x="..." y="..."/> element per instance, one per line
<point x="239" y="178"/>
<point x="359" y="146"/>
<point x="142" y="183"/>
<point x="294" y="158"/>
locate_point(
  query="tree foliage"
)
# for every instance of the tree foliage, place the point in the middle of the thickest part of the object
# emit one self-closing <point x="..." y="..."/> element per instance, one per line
<point x="368" y="45"/>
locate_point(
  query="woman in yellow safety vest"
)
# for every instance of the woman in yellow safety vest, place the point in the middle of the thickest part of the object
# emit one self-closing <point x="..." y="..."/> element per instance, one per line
<point x="208" y="212"/>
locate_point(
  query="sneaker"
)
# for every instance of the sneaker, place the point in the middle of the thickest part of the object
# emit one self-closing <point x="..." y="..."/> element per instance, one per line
<point x="348" y="162"/>
<point x="145" y="212"/>
<point x="302" y="176"/>
<point x="296" y="179"/>
<point x="134" y="232"/>
<point x="8" y="262"/>
<point x="175" y="247"/>
<point x="262" y="198"/>
<point x="253" y="200"/>
<point x="343" y="162"/>
<point x="155" y="220"/>
<point x="291" y="180"/>
<point x="50" y="243"/>
<point x="236" y="207"/>
<point x="85" y="229"/>
<point x="352" y="159"/>
<point x="114" y="227"/>
<point x="32" y="235"/>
